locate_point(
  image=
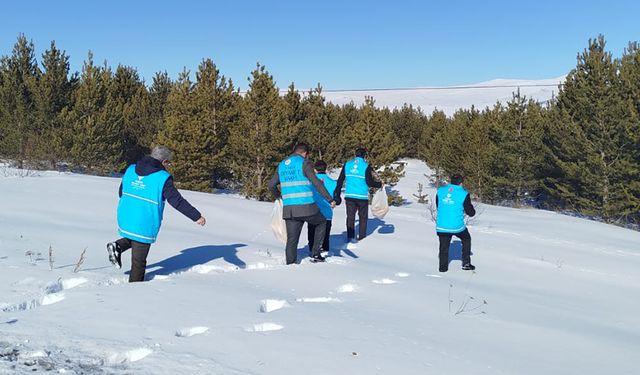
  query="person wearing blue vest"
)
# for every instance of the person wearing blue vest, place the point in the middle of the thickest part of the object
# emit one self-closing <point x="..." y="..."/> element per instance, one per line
<point x="453" y="202"/>
<point x="358" y="177"/>
<point x="297" y="179"/>
<point x="320" y="168"/>
<point x="143" y="191"/>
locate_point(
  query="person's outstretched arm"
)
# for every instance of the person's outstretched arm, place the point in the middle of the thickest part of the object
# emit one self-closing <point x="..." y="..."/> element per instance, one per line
<point x="177" y="201"/>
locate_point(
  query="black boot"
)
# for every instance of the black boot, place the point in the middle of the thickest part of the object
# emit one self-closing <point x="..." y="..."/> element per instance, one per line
<point x="468" y="267"/>
<point x="317" y="258"/>
<point x="115" y="254"/>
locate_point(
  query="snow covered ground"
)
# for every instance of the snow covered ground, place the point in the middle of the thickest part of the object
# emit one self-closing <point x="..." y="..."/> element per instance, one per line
<point x="552" y="294"/>
<point x="450" y="99"/>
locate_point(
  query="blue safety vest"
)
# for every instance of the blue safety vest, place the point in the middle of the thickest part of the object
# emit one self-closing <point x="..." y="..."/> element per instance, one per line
<point x="296" y="187"/>
<point x="325" y="207"/>
<point x="355" y="180"/>
<point x="451" y="209"/>
<point x="141" y="205"/>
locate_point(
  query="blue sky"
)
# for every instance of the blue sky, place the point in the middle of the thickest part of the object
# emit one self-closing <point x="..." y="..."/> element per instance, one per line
<point x="340" y="44"/>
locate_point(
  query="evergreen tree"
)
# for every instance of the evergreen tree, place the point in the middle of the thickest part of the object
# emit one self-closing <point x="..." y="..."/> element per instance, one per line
<point x="53" y="99"/>
<point x="159" y="94"/>
<point x="97" y="127"/>
<point x="592" y="97"/>
<point x="433" y="148"/>
<point x="18" y="102"/>
<point x="197" y="126"/>
<point x="516" y="132"/>
<point x="129" y="102"/>
<point x="373" y="131"/>
<point x="315" y="127"/>
<point x="260" y="139"/>
<point x="408" y="123"/>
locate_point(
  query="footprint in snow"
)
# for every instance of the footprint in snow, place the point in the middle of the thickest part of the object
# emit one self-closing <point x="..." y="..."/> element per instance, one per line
<point x="191" y="331"/>
<point x="73" y="282"/>
<point x="351" y="246"/>
<point x="129" y="356"/>
<point x="52" y="298"/>
<point x="318" y="300"/>
<point x="269" y="305"/>
<point x="264" y="327"/>
<point x="403" y="274"/>
<point x="347" y="288"/>
<point x="384" y="281"/>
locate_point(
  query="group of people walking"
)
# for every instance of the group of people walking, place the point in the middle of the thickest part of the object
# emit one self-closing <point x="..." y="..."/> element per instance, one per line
<point x="308" y="196"/>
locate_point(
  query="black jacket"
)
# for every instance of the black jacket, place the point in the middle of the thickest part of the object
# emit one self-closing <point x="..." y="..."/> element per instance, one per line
<point x="148" y="165"/>
<point x="300" y="210"/>
<point x="368" y="175"/>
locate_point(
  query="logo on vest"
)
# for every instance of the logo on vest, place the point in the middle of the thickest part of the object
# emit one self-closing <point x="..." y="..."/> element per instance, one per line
<point x="287" y="162"/>
<point x="139" y="184"/>
<point x="447" y="199"/>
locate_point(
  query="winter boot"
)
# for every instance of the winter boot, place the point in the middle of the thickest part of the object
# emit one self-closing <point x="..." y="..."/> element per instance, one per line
<point x="115" y="255"/>
<point x="468" y="267"/>
<point x="317" y="259"/>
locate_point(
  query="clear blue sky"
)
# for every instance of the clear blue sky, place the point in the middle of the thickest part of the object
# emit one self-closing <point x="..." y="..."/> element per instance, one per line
<point x="341" y="44"/>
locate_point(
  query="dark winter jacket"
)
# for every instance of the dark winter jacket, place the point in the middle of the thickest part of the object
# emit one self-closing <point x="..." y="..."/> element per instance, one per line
<point x="300" y="210"/>
<point x="148" y="165"/>
<point x="368" y="175"/>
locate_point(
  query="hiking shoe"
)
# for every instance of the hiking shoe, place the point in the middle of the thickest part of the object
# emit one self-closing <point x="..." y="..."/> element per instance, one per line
<point x="115" y="255"/>
<point x="317" y="258"/>
<point x="443" y="269"/>
<point x="468" y="267"/>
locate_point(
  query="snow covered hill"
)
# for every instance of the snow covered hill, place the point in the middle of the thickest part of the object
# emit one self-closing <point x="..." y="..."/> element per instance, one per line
<point x="552" y="294"/>
<point x="450" y="99"/>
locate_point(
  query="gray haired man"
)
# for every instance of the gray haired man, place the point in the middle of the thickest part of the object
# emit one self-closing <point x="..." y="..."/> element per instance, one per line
<point x="144" y="189"/>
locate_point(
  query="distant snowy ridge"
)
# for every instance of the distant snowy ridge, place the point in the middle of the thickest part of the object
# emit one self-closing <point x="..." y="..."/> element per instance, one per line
<point x="450" y="99"/>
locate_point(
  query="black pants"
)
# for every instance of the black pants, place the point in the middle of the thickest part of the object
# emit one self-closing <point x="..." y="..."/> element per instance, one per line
<point x="294" y="227"/>
<point x="445" y="241"/>
<point x="139" y="252"/>
<point x="361" y="206"/>
<point x="327" y="233"/>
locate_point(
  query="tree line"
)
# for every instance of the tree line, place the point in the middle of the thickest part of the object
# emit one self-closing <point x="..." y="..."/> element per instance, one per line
<point x="578" y="152"/>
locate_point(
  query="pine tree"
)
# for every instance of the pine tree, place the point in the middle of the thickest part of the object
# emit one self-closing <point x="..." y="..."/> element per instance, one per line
<point x="17" y="103"/>
<point x="260" y="139"/>
<point x="97" y="127"/>
<point x="128" y="97"/>
<point x="197" y="125"/>
<point x="476" y="151"/>
<point x="408" y="123"/>
<point x="432" y="143"/>
<point x="316" y="129"/>
<point x="630" y="88"/>
<point x="592" y="97"/>
<point x="53" y="99"/>
<point x="216" y="106"/>
<point x="516" y="132"/>
<point x="373" y="131"/>
<point x="159" y="94"/>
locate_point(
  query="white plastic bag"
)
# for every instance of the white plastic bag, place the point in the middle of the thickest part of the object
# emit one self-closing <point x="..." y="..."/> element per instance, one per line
<point x="379" y="203"/>
<point x="278" y="225"/>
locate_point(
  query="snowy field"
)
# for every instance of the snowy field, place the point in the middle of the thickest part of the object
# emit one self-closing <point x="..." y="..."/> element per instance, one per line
<point x="552" y="294"/>
<point x="449" y="99"/>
